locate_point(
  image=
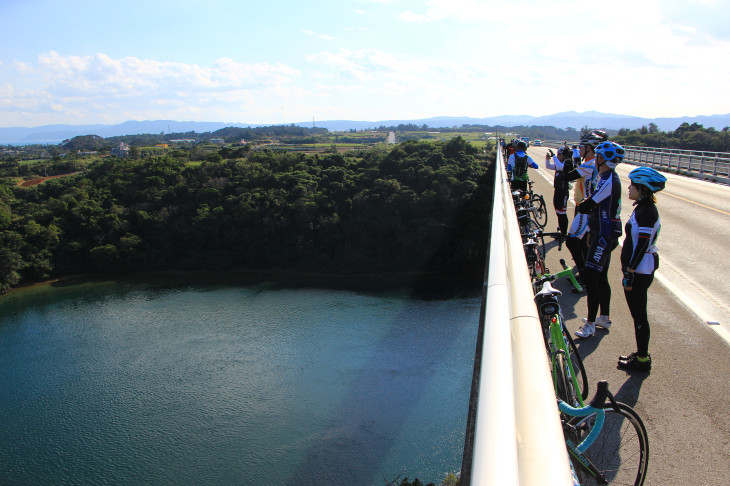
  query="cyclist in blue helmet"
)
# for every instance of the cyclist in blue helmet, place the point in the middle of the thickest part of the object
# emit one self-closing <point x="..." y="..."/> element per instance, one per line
<point x="585" y="174"/>
<point x="603" y="207"/>
<point x="639" y="260"/>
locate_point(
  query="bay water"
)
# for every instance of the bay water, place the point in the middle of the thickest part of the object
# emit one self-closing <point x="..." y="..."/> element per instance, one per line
<point x="147" y="382"/>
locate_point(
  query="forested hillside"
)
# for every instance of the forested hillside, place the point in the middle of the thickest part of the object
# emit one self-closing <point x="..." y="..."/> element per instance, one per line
<point x="417" y="207"/>
<point x="686" y="137"/>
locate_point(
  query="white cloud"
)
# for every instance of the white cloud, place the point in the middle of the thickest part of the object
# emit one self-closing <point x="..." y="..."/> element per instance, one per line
<point x="70" y="88"/>
<point x="434" y="57"/>
<point x="101" y="74"/>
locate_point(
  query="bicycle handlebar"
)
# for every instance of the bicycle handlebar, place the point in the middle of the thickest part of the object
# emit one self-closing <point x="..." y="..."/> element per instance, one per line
<point x="557" y="236"/>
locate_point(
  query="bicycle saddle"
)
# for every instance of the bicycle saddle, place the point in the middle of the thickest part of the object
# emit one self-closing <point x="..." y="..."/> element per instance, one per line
<point x="548" y="290"/>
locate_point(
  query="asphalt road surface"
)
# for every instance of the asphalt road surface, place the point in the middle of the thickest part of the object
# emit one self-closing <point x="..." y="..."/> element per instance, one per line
<point x="685" y="400"/>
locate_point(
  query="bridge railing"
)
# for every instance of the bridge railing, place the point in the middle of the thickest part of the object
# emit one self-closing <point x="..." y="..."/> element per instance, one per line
<point x="514" y="436"/>
<point x="716" y="164"/>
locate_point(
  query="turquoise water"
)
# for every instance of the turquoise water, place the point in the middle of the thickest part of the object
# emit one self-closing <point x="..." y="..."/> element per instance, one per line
<point x="137" y="383"/>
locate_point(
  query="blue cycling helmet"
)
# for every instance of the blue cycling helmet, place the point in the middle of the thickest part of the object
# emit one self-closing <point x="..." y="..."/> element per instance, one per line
<point x="611" y="152"/>
<point x="646" y="176"/>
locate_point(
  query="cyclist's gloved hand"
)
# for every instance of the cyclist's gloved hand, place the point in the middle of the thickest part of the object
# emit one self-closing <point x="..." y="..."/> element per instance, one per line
<point x="628" y="280"/>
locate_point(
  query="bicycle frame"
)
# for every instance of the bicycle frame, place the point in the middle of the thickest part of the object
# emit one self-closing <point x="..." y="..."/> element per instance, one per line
<point x="566" y="272"/>
<point x="558" y="345"/>
<point x="557" y="338"/>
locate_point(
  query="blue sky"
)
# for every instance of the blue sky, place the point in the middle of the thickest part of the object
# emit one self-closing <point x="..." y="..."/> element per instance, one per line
<point x="282" y="61"/>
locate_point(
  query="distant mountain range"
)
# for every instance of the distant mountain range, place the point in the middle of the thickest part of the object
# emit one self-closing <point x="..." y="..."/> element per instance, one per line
<point x="53" y="134"/>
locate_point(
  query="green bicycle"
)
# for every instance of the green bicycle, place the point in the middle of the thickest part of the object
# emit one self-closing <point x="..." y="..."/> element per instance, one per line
<point x="565" y="361"/>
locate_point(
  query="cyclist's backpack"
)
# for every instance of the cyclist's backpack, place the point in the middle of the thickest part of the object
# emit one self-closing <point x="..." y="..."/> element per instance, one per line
<point x="520" y="166"/>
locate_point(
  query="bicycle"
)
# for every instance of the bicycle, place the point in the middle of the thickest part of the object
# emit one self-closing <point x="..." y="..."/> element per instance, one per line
<point x="533" y="241"/>
<point x="527" y="224"/>
<point x="563" y="353"/>
<point x="534" y="255"/>
<point x="606" y="440"/>
<point x="529" y="198"/>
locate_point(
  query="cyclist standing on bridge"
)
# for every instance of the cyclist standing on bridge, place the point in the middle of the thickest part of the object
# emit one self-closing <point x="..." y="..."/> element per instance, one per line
<point x="604" y="209"/>
<point x="562" y="164"/>
<point x="517" y="165"/>
<point x="639" y="260"/>
<point x="586" y="175"/>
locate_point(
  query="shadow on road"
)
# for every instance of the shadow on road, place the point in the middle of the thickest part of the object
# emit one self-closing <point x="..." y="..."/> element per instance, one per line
<point x="629" y="391"/>
<point x="587" y="345"/>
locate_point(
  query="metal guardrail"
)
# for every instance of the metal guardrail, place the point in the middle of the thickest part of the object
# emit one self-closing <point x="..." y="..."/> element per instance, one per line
<point x="715" y="164"/>
<point x="517" y="436"/>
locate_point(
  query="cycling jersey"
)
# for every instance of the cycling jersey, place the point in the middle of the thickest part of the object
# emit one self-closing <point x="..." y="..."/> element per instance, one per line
<point x="604" y="221"/>
<point x="579" y="226"/>
<point x="560" y="183"/>
<point x="561" y="169"/>
<point x="586" y="173"/>
<point x="642" y="230"/>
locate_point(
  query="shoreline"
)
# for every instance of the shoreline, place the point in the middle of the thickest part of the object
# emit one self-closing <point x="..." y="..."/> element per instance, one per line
<point x="420" y="282"/>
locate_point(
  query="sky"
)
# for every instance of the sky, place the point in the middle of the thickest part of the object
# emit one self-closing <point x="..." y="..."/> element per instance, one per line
<point x="287" y="61"/>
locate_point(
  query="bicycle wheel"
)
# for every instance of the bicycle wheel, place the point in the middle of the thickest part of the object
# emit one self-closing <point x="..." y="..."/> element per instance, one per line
<point x="621" y="451"/>
<point x="529" y="226"/>
<point x="564" y="389"/>
<point x="540" y="214"/>
<point x="541" y="247"/>
<point x="536" y="265"/>
<point x="577" y="363"/>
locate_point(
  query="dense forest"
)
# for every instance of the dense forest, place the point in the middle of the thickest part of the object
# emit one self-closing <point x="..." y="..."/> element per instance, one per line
<point x="686" y="137"/>
<point x="414" y="207"/>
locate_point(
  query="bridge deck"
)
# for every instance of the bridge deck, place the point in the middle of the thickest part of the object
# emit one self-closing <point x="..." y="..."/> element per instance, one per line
<point x="685" y="400"/>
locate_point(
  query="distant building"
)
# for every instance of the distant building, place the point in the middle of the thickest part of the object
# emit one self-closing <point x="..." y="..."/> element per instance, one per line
<point x="121" y="151"/>
<point x="390" y="138"/>
<point x="217" y="141"/>
<point x="161" y="145"/>
<point x="184" y="142"/>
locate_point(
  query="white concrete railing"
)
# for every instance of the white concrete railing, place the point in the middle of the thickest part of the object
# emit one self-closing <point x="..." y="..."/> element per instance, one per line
<point x="518" y="439"/>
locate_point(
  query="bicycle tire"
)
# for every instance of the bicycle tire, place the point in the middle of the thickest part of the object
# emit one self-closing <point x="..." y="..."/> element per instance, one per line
<point x="540" y="214"/>
<point x="541" y="248"/>
<point x="621" y="451"/>
<point x="564" y="389"/>
<point x="538" y="267"/>
<point x="577" y="361"/>
<point x="530" y="226"/>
